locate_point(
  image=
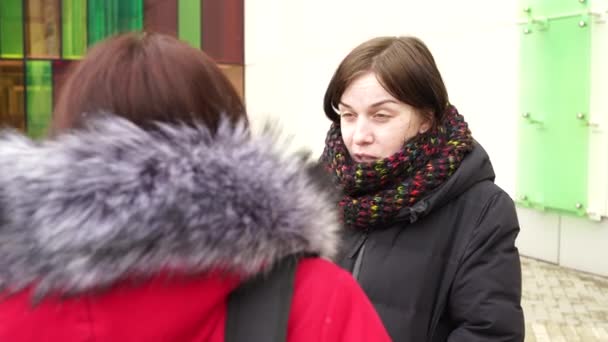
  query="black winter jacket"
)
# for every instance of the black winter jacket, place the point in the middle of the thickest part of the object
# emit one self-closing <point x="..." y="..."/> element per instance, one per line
<point x="446" y="269"/>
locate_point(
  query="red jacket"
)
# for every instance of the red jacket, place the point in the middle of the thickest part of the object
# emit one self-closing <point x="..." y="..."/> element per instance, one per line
<point x="117" y="239"/>
<point x="328" y="305"/>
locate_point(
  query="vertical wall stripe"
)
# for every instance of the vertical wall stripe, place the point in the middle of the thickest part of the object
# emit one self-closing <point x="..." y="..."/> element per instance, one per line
<point x="189" y="22"/>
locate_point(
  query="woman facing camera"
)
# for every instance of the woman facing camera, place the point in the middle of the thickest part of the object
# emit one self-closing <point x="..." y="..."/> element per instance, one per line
<point x="429" y="236"/>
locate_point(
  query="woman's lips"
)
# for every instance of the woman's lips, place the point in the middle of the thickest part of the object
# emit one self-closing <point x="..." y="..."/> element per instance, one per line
<point x="364" y="158"/>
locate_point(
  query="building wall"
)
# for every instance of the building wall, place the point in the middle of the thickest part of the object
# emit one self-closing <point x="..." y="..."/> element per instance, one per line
<point x="281" y="54"/>
<point x="293" y="47"/>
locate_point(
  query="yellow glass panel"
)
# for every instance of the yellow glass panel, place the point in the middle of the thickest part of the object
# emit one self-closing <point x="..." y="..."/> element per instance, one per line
<point x="12" y="105"/>
<point x="42" y="28"/>
<point x="235" y="74"/>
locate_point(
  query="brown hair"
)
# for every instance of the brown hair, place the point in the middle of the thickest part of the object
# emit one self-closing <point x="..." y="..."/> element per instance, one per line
<point x="403" y="65"/>
<point x="147" y="78"/>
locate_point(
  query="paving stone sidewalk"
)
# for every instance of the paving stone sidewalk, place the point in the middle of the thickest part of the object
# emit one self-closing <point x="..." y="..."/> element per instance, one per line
<point x="562" y="304"/>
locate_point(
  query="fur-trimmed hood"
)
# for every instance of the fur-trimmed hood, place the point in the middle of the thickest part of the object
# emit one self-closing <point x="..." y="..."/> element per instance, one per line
<point x="91" y="207"/>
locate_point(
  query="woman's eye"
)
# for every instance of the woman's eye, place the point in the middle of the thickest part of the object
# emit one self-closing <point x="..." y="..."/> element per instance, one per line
<point x="347" y="115"/>
<point x="381" y="116"/>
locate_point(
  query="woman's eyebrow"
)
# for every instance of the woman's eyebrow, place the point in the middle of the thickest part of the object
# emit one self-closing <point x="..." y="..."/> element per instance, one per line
<point x="377" y="104"/>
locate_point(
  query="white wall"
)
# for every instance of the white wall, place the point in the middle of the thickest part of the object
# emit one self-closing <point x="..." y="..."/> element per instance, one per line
<point x="292" y="48"/>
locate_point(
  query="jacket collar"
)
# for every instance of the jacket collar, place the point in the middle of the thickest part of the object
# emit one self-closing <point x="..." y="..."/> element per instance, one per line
<point x="475" y="168"/>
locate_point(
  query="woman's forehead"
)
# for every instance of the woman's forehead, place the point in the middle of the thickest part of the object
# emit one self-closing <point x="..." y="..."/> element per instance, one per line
<point x="366" y="89"/>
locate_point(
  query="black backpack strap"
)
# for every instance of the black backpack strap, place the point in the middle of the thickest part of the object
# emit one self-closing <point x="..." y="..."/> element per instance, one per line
<point x="258" y="310"/>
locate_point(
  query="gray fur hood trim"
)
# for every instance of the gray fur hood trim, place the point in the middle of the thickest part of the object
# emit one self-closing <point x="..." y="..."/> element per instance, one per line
<point x="93" y="206"/>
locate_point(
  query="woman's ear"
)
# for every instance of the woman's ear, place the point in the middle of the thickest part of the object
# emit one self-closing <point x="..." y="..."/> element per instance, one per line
<point x="427" y="122"/>
<point x="426" y="125"/>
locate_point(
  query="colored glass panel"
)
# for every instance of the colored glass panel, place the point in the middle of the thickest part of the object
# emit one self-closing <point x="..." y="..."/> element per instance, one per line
<point x="160" y="16"/>
<point x="189" y="19"/>
<point x="39" y="85"/>
<point x="42" y="28"/>
<point x="551" y="8"/>
<point x="74" y="31"/>
<point x="110" y="17"/>
<point x="223" y="30"/>
<point x="11" y="29"/>
<point x="235" y="74"/>
<point x="12" y="108"/>
<point x="554" y="105"/>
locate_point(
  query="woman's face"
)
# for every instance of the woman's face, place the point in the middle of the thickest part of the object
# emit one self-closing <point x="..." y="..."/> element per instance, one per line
<point x="373" y="123"/>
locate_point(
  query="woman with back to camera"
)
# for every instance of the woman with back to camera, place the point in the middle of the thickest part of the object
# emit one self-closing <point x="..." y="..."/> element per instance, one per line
<point x="152" y="203"/>
<point x="429" y="236"/>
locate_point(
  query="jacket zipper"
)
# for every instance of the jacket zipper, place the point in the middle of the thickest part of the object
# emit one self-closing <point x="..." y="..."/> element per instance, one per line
<point x="358" y="251"/>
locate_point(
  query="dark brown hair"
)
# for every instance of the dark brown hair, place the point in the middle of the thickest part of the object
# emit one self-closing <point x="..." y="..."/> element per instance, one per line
<point x="147" y="78"/>
<point x="403" y="65"/>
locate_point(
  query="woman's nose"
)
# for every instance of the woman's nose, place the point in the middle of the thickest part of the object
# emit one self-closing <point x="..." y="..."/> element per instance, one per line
<point x="363" y="134"/>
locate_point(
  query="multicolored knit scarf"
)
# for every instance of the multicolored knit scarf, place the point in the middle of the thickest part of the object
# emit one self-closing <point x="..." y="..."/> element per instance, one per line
<point x="375" y="192"/>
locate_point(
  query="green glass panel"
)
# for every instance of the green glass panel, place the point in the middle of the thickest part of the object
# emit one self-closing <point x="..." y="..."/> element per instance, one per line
<point x="11" y="29"/>
<point x="12" y="113"/>
<point x="189" y="22"/>
<point x="131" y="15"/>
<point x="554" y="103"/>
<point x="109" y="17"/>
<point x="97" y="27"/>
<point x="74" y="28"/>
<point x="39" y="95"/>
<point x="549" y="8"/>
